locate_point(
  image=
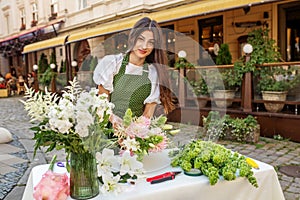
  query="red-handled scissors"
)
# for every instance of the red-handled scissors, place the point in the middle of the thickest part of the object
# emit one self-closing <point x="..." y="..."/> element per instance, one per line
<point x="163" y="177"/>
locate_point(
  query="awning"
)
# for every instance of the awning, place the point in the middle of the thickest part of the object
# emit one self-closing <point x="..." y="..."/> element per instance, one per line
<point x="31" y="30"/>
<point x="45" y="44"/>
<point x="180" y="12"/>
<point x="103" y="29"/>
<point x="22" y="33"/>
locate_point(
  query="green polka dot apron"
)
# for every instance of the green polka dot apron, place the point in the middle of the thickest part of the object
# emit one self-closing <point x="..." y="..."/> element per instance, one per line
<point x="130" y="91"/>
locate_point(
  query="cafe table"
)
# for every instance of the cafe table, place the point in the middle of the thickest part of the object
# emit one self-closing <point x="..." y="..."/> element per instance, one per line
<point x="184" y="187"/>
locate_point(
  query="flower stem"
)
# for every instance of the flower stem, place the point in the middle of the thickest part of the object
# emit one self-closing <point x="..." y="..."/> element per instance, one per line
<point x="53" y="160"/>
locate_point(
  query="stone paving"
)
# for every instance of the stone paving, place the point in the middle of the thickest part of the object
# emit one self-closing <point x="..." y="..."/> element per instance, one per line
<point x="16" y="157"/>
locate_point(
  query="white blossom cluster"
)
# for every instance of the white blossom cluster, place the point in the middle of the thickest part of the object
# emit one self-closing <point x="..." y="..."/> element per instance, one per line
<point x="109" y="165"/>
<point x="75" y="111"/>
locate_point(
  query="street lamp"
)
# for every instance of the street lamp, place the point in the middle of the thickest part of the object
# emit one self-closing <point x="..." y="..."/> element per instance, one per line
<point x="53" y="80"/>
<point x="35" y="68"/>
<point x="74" y="66"/>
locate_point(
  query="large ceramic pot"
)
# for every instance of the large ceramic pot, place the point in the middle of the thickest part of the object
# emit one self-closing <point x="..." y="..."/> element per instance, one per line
<point x="274" y="96"/>
<point x="223" y="95"/>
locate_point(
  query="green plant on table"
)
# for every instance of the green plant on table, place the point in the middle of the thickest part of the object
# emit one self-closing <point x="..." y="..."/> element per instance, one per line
<point x="214" y="160"/>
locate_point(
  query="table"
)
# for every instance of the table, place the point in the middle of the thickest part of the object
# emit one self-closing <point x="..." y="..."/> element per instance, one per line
<point x="189" y="187"/>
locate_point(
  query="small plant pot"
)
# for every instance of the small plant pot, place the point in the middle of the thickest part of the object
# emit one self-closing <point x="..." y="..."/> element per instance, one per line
<point x="202" y="102"/>
<point x="274" y="96"/>
<point x="223" y="95"/>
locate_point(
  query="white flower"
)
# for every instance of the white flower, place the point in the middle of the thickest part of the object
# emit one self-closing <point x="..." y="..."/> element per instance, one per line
<point x="110" y="183"/>
<point x="84" y="119"/>
<point x="129" y="164"/>
<point x="107" y="162"/>
<point x="130" y="144"/>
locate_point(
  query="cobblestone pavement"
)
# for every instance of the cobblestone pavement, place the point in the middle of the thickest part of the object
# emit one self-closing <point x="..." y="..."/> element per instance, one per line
<point x="16" y="157"/>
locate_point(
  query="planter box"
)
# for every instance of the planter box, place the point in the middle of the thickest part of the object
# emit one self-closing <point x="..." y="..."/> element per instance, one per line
<point x="3" y="93"/>
<point x="252" y="138"/>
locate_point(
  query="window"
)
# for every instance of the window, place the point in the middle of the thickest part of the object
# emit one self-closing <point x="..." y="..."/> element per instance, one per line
<point x="169" y="35"/>
<point x="23" y="19"/>
<point x="82" y="4"/>
<point x="210" y="33"/>
<point x="34" y="12"/>
<point x="54" y="8"/>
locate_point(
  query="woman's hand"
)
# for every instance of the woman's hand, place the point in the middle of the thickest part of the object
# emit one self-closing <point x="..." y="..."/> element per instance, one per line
<point x="115" y="120"/>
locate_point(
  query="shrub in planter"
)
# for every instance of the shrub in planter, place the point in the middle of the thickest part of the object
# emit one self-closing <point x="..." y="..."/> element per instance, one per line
<point x="226" y="127"/>
<point x="200" y="89"/>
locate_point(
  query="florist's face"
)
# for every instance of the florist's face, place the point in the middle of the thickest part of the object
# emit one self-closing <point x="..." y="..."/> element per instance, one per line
<point x="144" y="44"/>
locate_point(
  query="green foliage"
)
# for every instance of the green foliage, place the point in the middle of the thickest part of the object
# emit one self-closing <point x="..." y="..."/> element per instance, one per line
<point x="53" y="59"/>
<point x="46" y="77"/>
<point x="213" y="160"/>
<point x="223" y="79"/>
<point x="182" y="63"/>
<point x="199" y="86"/>
<point x="224" y="57"/>
<point x="264" y="51"/>
<point x="43" y="63"/>
<point x="93" y="63"/>
<point x="89" y="63"/>
<point x="218" y="126"/>
<point x="277" y="79"/>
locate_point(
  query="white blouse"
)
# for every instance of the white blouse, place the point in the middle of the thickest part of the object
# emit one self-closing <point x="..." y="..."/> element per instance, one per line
<point x="110" y="65"/>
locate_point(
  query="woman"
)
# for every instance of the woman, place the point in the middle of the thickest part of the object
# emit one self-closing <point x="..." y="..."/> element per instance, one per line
<point x="139" y="79"/>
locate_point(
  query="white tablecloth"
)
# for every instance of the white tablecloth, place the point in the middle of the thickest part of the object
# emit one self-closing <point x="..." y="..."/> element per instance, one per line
<point x="188" y="187"/>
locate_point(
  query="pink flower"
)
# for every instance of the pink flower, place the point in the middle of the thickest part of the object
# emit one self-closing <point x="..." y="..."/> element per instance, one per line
<point x="144" y="120"/>
<point x="53" y="186"/>
<point x="137" y="130"/>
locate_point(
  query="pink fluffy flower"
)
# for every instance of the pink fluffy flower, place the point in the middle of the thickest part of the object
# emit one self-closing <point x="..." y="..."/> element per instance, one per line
<point x="53" y="186"/>
<point x="137" y="130"/>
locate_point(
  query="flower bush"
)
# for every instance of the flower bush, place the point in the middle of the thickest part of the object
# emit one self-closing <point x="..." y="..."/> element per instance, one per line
<point x="238" y="129"/>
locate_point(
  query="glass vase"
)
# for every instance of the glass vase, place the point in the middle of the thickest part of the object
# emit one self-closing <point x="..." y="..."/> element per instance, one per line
<point x="83" y="176"/>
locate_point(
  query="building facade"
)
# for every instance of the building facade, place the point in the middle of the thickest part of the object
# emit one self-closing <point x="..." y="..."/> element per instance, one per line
<point x="73" y="30"/>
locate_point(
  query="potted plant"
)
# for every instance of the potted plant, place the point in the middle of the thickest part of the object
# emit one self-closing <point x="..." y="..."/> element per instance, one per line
<point x="200" y="89"/>
<point x="273" y="83"/>
<point x="223" y="56"/>
<point x="223" y="84"/>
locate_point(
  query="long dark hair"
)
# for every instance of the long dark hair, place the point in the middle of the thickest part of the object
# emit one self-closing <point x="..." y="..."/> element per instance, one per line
<point x="158" y="58"/>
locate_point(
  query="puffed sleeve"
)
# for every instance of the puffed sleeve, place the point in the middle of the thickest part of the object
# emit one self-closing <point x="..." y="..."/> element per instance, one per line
<point x="105" y="71"/>
<point x="154" y="96"/>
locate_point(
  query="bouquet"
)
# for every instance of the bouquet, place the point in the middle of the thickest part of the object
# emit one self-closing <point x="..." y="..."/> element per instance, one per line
<point x="76" y="121"/>
<point x="141" y="135"/>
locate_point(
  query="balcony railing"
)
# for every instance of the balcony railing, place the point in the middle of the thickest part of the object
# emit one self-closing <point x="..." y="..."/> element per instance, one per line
<point x="246" y="99"/>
